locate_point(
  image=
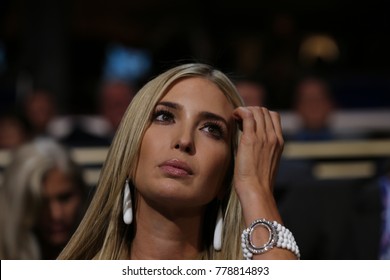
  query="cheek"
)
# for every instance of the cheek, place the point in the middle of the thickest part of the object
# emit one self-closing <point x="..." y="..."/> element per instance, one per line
<point x="147" y="146"/>
<point x="149" y="149"/>
<point x="74" y="207"/>
<point x="216" y="165"/>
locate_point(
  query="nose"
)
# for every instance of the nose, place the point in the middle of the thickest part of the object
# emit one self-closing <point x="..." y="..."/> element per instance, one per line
<point x="56" y="211"/>
<point x="184" y="147"/>
<point x="184" y="141"/>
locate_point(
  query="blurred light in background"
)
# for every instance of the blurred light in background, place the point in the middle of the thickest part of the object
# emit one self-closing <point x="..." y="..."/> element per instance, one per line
<point x="319" y="46"/>
<point x="125" y="63"/>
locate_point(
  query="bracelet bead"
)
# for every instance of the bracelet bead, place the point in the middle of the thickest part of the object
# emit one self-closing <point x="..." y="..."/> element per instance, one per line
<point x="279" y="236"/>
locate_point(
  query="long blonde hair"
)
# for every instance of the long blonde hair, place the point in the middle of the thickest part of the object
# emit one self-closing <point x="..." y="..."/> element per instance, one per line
<point x="102" y="233"/>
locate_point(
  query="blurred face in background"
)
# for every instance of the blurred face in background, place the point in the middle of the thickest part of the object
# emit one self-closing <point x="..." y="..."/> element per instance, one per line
<point x="63" y="202"/>
<point x="40" y="110"/>
<point x="115" y="97"/>
<point x="252" y="93"/>
<point x="12" y="132"/>
<point x="314" y="103"/>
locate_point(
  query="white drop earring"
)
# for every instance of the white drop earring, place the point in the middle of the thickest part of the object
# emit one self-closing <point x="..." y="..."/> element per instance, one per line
<point x="127" y="207"/>
<point x="218" y="231"/>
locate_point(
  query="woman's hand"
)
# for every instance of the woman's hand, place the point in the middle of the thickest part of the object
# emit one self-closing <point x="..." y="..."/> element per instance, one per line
<point x="257" y="160"/>
<point x="258" y="155"/>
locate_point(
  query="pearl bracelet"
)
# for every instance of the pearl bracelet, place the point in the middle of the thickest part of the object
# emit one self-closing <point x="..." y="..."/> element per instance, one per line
<point x="279" y="236"/>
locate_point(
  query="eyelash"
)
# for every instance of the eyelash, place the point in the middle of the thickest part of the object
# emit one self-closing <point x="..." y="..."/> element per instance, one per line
<point x="163" y="113"/>
<point x="218" y="133"/>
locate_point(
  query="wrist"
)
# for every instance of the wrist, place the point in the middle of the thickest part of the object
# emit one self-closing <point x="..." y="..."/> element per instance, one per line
<point x="259" y="204"/>
<point x="250" y="189"/>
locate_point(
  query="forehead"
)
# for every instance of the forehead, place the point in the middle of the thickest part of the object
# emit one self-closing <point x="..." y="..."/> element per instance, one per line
<point x="200" y="94"/>
<point x="56" y="182"/>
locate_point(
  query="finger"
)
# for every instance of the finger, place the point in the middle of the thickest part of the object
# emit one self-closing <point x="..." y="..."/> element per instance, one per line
<point x="259" y="120"/>
<point x="276" y="120"/>
<point x="273" y="126"/>
<point x="244" y="115"/>
<point x="269" y="126"/>
<point x="264" y="122"/>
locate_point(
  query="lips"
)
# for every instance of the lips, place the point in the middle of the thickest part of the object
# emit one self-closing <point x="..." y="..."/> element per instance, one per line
<point x="176" y="168"/>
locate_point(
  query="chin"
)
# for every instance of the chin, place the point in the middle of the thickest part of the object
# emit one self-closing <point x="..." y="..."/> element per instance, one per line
<point x="58" y="239"/>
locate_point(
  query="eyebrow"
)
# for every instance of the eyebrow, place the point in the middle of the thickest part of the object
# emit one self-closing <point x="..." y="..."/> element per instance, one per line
<point x="170" y="104"/>
<point x="203" y="114"/>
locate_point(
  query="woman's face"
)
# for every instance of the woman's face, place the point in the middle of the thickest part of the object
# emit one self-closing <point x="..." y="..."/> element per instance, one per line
<point x="186" y="151"/>
<point x="62" y="205"/>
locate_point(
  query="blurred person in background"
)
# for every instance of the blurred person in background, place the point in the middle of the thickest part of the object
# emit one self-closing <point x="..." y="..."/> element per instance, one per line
<point x="252" y="92"/>
<point x="114" y="98"/>
<point x="314" y="105"/>
<point x="14" y="130"/>
<point x="40" y="109"/>
<point x="43" y="197"/>
<point x="122" y="69"/>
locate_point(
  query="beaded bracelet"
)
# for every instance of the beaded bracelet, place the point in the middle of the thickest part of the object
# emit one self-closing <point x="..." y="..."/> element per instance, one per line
<point x="279" y="236"/>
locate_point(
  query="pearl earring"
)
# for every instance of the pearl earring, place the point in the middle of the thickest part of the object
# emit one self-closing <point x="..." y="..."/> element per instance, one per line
<point x="127" y="207"/>
<point x="218" y="231"/>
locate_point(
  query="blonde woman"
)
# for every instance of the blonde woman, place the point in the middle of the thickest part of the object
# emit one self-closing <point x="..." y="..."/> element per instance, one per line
<point x="181" y="182"/>
<point x="42" y="200"/>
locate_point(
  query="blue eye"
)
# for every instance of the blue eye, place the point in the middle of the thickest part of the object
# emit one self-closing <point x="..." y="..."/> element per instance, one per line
<point x="163" y="116"/>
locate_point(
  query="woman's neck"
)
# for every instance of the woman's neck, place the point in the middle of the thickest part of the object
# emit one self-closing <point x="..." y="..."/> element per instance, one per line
<point x="167" y="234"/>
